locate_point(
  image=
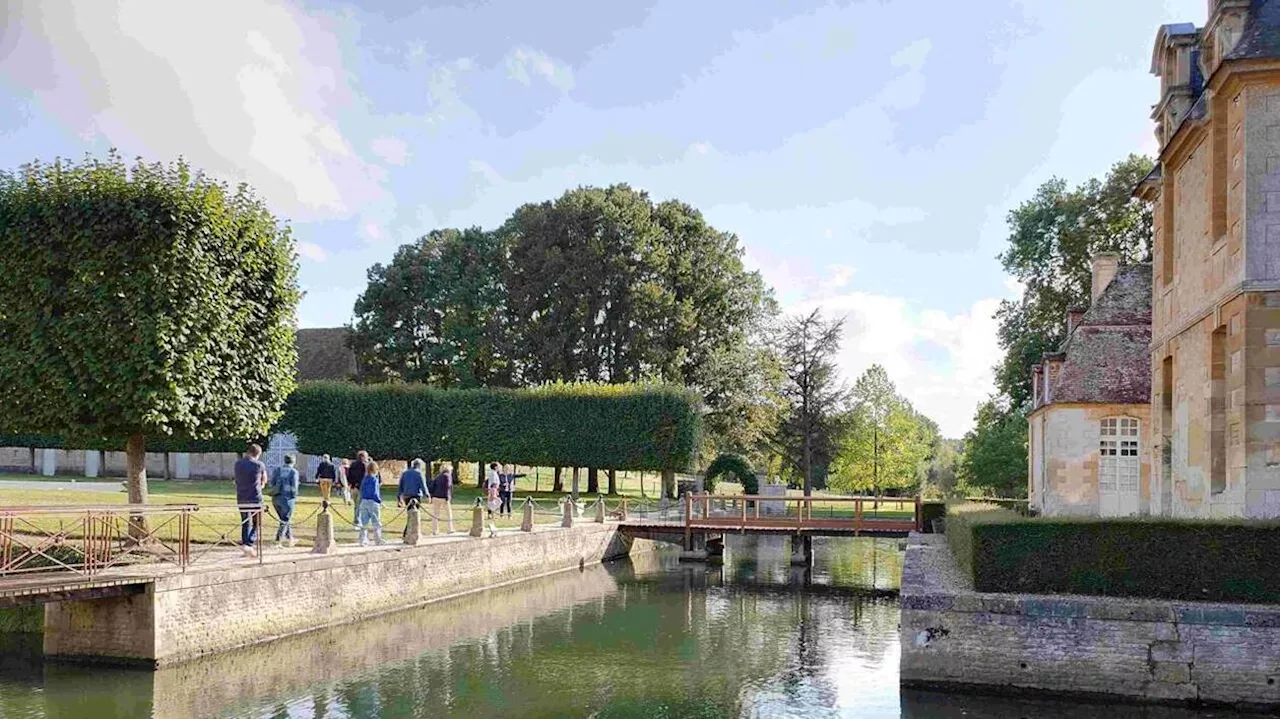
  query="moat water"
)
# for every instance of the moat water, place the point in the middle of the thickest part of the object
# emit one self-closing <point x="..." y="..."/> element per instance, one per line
<point x="645" y="638"/>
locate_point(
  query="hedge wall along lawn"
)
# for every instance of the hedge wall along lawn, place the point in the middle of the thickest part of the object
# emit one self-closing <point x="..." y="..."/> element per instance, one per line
<point x="1156" y="558"/>
<point x="638" y="427"/>
<point x="154" y="444"/>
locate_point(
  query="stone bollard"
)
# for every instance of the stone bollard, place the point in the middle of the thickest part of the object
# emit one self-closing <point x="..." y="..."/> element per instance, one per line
<point x="477" y="520"/>
<point x="568" y="514"/>
<point x="325" y="543"/>
<point x="599" y="510"/>
<point x="412" y="525"/>
<point x="526" y="524"/>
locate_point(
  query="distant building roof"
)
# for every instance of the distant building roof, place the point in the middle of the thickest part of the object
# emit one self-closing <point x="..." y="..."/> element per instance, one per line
<point x="323" y="354"/>
<point x="1106" y="359"/>
<point x="1260" y="37"/>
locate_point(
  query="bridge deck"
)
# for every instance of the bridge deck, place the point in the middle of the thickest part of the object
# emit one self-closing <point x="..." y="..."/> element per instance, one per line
<point x="813" y="526"/>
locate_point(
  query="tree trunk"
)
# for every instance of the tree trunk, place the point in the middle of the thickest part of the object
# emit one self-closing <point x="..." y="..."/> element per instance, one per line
<point x="457" y="469"/>
<point x="558" y="484"/>
<point x="575" y="483"/>
<point x="613" y="481"/>
<point x="808" y="465"/>
<point x="593" y="481"/>
<point x="34" y="469"/>
<point x="136" y="478"/>
<point x="166" y="467"/>
<point x="668" y="484"/>
<point x="480" y="474"/>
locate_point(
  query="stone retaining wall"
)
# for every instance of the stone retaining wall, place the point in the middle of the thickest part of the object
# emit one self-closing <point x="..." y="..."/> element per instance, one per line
<point x="204" y="612"/>
<point x="1148" y="650"/>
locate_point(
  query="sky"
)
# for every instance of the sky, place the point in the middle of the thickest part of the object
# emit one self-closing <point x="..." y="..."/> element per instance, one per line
<point x="866" y="154"/>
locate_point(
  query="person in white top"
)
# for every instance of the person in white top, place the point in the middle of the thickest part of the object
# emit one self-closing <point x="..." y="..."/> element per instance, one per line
<point x="493" y="483"/>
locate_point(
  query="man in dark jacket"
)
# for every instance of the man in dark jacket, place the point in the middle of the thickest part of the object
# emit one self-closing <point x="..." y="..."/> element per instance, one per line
<point x="441" y="493"/>
<point x="356" y="472"/>
<point x="326" y="475"/>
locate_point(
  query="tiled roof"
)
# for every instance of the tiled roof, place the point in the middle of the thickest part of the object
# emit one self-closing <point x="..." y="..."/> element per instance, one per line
<point x="1106" y="359"/>
<point x="323" y="354"/>
<point x="1260" y="37"/>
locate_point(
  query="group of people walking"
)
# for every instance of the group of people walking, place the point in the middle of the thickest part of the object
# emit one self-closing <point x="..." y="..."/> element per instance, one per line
<point x="359" y="480"/>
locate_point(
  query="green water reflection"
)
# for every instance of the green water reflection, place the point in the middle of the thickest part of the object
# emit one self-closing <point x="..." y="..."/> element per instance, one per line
<point x="644" y="638"/>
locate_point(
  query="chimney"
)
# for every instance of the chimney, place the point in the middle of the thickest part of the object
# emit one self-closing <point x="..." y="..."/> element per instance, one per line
<point x="1037" y="376"/>
<point x="1052" y="366"/>
<point x="1074" y="315"/>
<point x="1105" y="265"/>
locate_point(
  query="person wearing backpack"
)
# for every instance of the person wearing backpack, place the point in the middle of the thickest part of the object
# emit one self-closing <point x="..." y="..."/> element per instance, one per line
<point x="283" y="490"/>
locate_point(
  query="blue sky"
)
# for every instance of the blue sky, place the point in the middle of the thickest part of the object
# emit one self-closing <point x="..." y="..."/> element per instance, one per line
<point x="865" y="153"/>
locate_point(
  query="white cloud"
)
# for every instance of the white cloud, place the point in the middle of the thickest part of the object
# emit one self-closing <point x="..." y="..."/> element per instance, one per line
<point x="524" y="63"/>
<point x="371" y="231"/>
<point x="485" y="170"/>
<point x="392" y="150"/>
<point x="700" y="148"/>
<point x="941" y="362"/>
<point x="243" y="104"/>
<point x="912" y="56"/>
<point x="312" y="252"/>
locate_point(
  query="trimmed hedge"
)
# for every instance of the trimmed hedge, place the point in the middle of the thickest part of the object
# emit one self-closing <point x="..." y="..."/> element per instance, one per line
<point x="154" y="444"/>
<point x="1209" y="560"/>
<point x="736" y="465"/>
<point x="637" y="427"/>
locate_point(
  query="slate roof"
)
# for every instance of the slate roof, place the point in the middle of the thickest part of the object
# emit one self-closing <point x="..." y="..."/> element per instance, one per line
<point x="323" y="354"/>
<point x="1260" y="37"/>
<point x="1106" y="359"/>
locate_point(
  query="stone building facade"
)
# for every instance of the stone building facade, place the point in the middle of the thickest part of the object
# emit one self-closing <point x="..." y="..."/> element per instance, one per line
<point x="1090" y="421"/>
<point x="1215" y="326"/>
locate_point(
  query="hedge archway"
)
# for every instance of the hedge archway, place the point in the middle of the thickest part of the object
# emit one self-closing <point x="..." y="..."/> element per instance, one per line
<point x="733" y="464"/>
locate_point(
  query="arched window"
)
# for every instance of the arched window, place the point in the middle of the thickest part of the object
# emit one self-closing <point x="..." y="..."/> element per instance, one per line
<point x="1119" y="466"/>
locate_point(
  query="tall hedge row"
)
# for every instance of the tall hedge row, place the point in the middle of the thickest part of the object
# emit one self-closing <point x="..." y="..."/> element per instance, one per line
<point x="1211" y="560"/>
<point x="154" y="444"/>
<point x="638" y="427"/>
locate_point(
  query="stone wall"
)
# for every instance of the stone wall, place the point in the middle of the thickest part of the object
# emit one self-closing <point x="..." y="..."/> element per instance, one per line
<point x="1063" y="451"/>
<point x="208" y="611"/>
<point x="953" y="637"/>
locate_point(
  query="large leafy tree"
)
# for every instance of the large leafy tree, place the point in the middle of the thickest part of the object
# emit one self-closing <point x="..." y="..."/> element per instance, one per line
<point x="436" y="313"/>
<point x="885" y="443"/>
<point x="1052" y="238"/>
<point x="995" y="451"/>
<point x="143" y="301"/>
<point x="806" y="438"/>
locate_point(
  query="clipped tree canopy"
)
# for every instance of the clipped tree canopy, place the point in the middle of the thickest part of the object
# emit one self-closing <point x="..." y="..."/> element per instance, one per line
<point x="143" y="301"/>
<point x="635" y="427"/>
<point x="736" y="465"/>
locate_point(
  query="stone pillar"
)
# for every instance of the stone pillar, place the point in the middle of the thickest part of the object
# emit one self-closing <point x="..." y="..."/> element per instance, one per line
<point x="567" y="506"/>
<point x="801" y="550"/>
<point x="182" y="465"/>
<point x="526" y="524"/>
<point x="325" y="542"/>
<point x="412" y="526"/>
<point x="48" y="462"/>
<point x="477" y="519"/>
<point x="91" y="466"/>
<point x="599" y="510"/>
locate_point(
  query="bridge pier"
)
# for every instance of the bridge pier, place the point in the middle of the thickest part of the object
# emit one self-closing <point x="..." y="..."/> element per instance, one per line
<point x="801" y="550"/>
<point x="695" y="548"/>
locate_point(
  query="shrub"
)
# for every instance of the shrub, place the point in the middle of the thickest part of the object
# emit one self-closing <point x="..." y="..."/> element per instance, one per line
<point x="1131" y="557"/>
<point x="736" y="465"/>
<point x="930" y="511"/>
<point x="641" y="427"/>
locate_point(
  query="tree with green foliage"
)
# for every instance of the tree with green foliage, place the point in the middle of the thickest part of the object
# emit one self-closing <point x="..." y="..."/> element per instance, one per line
<point x="995" y="452"/>
<point x="142" y="302"/>
<point x="436" y="313"/>
<point x="806" y="438"/>
<point x="885" y="444"/>
<point x="1052" y="239"/>
<point x="735" y="465"/>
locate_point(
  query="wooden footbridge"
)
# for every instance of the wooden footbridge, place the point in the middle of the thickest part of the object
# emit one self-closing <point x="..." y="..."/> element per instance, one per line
<point x="706" y="518"/>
